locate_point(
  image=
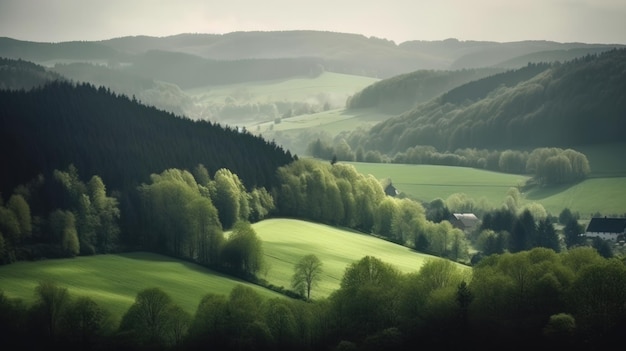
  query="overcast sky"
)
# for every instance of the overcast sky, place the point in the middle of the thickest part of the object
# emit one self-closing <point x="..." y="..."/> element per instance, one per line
<point x="589" y="21"/>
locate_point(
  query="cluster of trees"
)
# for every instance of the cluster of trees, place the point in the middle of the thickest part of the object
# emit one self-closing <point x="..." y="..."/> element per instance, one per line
<point x="185" y="215"/>
<point x="530" y="298"/>
<point x="177" y="215"/>
<point x="337" y="194"/>
<point x="84" y="219"/>
<point x="548" y="165"/>
<point x="505" y="230"/>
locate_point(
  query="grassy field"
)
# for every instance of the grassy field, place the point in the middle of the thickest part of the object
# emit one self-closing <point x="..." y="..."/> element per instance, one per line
<point x="428" y="182"/>
<point x="333" y="87"/>
<point x="604" y="191"/>
<point x="113" y="281"/>
<point x="332" y="122"/>
<point x="285" y="241"/>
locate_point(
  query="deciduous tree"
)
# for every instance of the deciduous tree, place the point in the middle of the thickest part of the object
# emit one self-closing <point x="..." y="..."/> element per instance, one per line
<point x="307" y="273"/>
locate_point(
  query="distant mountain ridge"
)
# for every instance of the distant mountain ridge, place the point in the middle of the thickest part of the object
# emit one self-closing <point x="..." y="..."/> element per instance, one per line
<point x="340" y="52"/>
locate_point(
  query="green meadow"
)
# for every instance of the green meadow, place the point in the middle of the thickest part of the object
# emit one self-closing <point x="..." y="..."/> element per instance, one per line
<point x="428" y="182"/>
<point x="604" y="191"/>
<point x="334" y="87"/>
<point x="113" y="281"/>
<point x="285" y="241"/>
<point x="331" y="122"/>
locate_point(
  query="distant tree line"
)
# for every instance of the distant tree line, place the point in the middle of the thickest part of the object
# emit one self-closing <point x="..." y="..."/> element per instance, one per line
<point x="535" y="298"/>
<point x="23" y="75"/>
<point x="547" y="165"/>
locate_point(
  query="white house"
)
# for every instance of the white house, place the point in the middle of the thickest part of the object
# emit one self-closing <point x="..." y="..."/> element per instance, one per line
<point x="606" y="228"/>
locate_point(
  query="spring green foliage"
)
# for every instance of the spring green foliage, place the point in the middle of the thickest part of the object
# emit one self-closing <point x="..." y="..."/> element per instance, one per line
<point x="307" y="273"/>
<point x="337" y="194"/>
<point x="243" y="250"/>
<point x="154" y="320"/>
<point x="286" y="241"/>
<point x="95" y="215"/>
<point x="530" y="298"/>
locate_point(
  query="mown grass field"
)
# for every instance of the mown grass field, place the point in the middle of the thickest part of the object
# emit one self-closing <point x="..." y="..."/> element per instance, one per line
<point x="113" y="281"/>
<point x="285" y="241"/>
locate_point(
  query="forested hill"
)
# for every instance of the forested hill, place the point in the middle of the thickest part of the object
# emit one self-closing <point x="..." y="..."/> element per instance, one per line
<point x="20" y="74"/>
<point x="579" y="102"/>
<point x="403" y="92"/>
<point x="119" y="139"/>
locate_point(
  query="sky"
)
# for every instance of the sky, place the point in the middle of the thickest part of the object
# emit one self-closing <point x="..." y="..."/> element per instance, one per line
<point x="588" y="21"/>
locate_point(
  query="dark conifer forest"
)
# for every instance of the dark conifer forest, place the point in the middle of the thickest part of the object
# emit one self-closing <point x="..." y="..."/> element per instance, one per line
<point x="119" y="139"/>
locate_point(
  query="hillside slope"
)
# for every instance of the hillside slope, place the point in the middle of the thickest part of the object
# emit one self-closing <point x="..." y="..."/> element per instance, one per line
<point x="562" y="105"/>
<point x="118" y="139"/>
<point x="285" y="241"/>
<point x="113" y="281"/>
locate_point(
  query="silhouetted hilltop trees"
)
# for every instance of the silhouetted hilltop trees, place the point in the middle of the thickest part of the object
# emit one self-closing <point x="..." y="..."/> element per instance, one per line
<point x="20" y="74"/>
<point x="73" y="50"/>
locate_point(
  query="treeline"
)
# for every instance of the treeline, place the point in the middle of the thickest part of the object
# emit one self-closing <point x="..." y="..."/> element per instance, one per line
<point x="23" y="75"/>
<point x="403" y="92"/>
<point x="338" y="195"/>
<point x="528" y="299"/>
<point x="174" y="215"/>
<point x="547" y="165"/>
<point x="120" y="140"/>
<point x="559" y="105"/>
<point x="185" y="214"/>
<point x="508" y="229"/>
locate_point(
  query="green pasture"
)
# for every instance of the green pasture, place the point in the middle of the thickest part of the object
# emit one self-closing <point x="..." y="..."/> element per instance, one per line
<point x="606" y="195"/>
<point x="332" y="122"/>
<point x="113" y="281"/>
<point x="335" y="87"/>
<point x="285" y="241"/>
<point x="428" y="182"/>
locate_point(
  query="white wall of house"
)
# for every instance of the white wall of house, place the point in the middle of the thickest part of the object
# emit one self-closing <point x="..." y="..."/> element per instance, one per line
<point x="605" y="236"/>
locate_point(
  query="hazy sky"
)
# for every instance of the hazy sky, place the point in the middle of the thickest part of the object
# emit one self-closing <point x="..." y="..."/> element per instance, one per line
<point x="590" y="21"/>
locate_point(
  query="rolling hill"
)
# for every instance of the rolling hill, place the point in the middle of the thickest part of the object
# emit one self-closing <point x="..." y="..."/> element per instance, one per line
<point x="114" y="280"/>
<point x="541" y="105"/>
<point x="285" y="241"/>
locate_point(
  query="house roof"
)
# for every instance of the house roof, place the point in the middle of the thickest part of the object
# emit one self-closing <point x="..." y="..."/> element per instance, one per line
<point x="468" y="219"/>
<point x="607" y="225"/>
